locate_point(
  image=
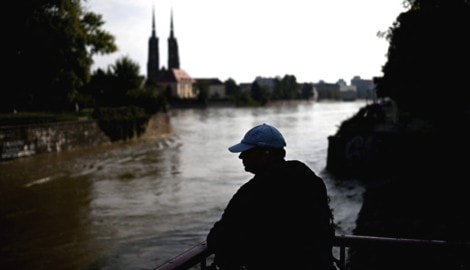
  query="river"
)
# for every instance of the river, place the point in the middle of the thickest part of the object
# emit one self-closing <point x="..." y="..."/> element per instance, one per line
<point x="134" y="205"/>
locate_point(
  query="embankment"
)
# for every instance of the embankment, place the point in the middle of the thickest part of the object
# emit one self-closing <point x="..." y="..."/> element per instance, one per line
<point x="28" y="140"/>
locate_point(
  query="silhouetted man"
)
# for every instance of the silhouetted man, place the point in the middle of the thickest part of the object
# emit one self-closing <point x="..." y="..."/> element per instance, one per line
<point x="280" y="219"/>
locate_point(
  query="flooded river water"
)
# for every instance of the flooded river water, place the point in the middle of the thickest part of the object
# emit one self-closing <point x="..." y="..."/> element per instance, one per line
<point x="134" y="205"/>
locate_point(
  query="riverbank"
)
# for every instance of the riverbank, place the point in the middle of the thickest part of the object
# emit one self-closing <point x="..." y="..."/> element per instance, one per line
<point x="415" y="180"/>
<point x="26" y="140"/>
<point x="134" y="205"/>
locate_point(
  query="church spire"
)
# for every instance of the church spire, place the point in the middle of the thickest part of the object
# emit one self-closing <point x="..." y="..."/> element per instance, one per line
<point x="173" y="55"/>
<point x="153" y="63"/>
<point x="171" y="25"/>
<point x="153" y="22"/>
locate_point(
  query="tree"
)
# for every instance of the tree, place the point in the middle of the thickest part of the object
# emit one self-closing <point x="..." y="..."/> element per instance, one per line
<point x="123" y="105"/>
<point x="425" y="73"/>
<point x="125" y="78"/>
<point x="51" y="51"/>
<point x="426" y="77"/>
<point x="121" y="85"/>
<point x="291" y="87"/>
<point x="203" y="94"/>
<point x="259" y="94"/>
<point x="231" y="88"/>
<point x="286" y="88"/>
<point x="307" y="91"/>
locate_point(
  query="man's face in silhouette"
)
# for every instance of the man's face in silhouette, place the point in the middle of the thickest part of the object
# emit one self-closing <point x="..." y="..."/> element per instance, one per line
<point x="255" y="159"/>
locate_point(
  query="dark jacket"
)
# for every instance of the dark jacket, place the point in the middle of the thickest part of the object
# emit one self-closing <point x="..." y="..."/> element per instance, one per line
<point x="280" y="219"/>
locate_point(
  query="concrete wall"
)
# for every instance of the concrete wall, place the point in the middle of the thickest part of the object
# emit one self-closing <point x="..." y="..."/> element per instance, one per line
<point x="22" y="141"/>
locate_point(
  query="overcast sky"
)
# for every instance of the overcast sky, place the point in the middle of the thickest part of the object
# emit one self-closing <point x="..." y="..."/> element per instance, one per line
<point x="241" y="39"/>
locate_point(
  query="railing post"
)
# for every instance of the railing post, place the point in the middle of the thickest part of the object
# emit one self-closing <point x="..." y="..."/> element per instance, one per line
<point x="199" y="254"/>
<point x="342" y="257"/>
<point x="203" y="264"/>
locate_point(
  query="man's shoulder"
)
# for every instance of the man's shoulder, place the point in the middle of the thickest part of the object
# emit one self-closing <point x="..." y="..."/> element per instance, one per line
<point x="301" y="169"/>
<point x="297" y="164"/>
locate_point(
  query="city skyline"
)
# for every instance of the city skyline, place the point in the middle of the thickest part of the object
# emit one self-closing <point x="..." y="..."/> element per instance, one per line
<point x="322" y="40"/>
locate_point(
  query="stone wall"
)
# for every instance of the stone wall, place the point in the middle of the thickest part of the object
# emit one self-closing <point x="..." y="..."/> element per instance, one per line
<point x="22" y="141"/>
<point x="363" y="155"/>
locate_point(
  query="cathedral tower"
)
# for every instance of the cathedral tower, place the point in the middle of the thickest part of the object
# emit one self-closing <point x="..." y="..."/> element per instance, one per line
<point x="153" y="63"/>
<point x="172" y="81"/>
<point x="173" y="55"/>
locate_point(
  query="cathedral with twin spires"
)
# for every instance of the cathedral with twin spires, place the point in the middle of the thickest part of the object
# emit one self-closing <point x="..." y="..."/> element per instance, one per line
<point x="173" y="80"/>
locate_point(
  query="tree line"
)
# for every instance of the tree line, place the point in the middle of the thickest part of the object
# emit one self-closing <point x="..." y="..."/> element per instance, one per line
<point x="52" y="43"/>
<point x="50" y="58"/>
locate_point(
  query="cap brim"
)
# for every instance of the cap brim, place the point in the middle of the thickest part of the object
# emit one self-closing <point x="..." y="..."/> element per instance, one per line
<point x="240" y="147"/>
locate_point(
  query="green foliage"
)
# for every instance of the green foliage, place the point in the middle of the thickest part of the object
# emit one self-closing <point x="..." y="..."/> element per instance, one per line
<point x="363" y="122"/>
<point x="122" y="123"/>
<point x="121" y="85"/>
<point x="290" y="87"/>
<point x="125" y="73"/>
<point x="232" y="90"/>
<point x="245" y="100"/>
<point x="237" y="96"/>
<point x="111" y="87"/>
<point x="123" y="105"/>
<point x="429" y="49"/>
<point x="32" y="118"/>
<point x="203" y="94"/>
<point x="259" y="94"/>
<point x="231" y="87"/>
<point x="286" y="88"/>
<point x="51" y="50"/>
<point x="307" y="91"/>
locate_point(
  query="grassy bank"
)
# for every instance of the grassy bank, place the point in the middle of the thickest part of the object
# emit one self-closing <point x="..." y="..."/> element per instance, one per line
<point x="29" y="118"/>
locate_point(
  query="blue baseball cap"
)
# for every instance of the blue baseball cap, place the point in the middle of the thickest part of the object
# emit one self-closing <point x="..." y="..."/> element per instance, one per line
<point x="263" y="136"/>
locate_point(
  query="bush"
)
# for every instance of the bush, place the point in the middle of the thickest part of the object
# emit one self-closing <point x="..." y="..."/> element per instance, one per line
<point x="122" y="123"/>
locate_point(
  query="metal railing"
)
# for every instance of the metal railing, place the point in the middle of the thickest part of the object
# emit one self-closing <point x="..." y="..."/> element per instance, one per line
<point x="199" y="254"/>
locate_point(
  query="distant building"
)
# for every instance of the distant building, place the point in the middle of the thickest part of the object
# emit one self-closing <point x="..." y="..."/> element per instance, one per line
<point x="267" y="83"/>
<point x="347" y="92"/>
<point x="174" y="81"/>
<point x="215" y="87"/>
<point x="365" y="88"/>
<point x="328" y="91"/>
